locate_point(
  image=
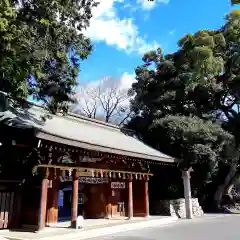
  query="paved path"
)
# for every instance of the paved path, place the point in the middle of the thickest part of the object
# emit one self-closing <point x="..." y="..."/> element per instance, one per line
<point x="221" y="228"/>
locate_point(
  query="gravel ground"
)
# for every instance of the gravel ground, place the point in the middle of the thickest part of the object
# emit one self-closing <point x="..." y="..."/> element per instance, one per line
<point x="221" y="228"/>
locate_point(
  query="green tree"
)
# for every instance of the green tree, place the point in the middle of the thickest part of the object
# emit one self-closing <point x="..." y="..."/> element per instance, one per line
<point x="235" y="2"/>
<point x="41" y="47"/>
<point x="188" y="106"/>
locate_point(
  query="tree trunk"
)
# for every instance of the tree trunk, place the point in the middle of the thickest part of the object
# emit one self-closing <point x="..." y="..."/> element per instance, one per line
<point x="230" y="186"/>
<point x="223" y="187"/>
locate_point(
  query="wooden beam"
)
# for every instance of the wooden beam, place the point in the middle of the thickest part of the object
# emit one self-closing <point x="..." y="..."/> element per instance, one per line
<point x="34" y="171"/>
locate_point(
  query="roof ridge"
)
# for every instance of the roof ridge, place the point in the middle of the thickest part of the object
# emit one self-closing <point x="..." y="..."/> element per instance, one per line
<point x="87" y="119"/>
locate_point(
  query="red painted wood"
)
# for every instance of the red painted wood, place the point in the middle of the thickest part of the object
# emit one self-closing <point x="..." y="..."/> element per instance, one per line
<point x="96" y="203"/>
<point x="7" y="210"/>
<point x="130" y="198"/>
<point x="108" y="197"/>
<point x="146" y="198"/>
<point x="139" y="198"/>
<point x="16" y="209"/>
<point x="3" y="201"/>
<point x="43" y="204"/>
<point x="74" y="199"/>
<point x="12" y="208"/>
<point x="52" y="202"/>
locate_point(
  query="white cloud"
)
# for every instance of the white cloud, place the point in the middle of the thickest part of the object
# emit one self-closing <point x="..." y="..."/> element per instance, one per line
<point x="127" y="80"/>
<point x="122" y="33"/>
<point x="123" y="83"/>
<point x="146" y="47"/>
<point x="148" y="5"/>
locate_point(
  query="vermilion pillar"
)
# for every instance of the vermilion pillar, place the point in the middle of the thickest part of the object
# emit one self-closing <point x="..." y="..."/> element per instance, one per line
<point x="146" y="197"/>
<point x="74" y="199"/>
<point x="43" y="200"/>
<point x="130" y="198"/>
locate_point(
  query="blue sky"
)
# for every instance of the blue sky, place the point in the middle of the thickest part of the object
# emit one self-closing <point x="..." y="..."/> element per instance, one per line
<point x="122" y="30"/>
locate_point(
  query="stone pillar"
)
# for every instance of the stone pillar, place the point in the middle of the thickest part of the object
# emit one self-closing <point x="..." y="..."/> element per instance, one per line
<point x="74" y="209"/>
<point x="187" y="193"/>
<point x="43" y="200"/>
<point x="146" y="197"/>
<point x="130" y="198"/>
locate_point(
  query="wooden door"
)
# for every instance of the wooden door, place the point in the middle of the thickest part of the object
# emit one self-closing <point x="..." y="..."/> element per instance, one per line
<point x="138" y="198"/>
<point x="95" y="205"/>
<point x="116" y="198"/>
<point x="6" y="205"/>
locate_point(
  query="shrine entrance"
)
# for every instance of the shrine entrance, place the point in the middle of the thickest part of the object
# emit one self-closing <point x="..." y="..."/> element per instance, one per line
<point x="103" y="195"/>
<point x="64" y="202"/>
<point x="118" y="199"/>
<point x="92" y="197"/>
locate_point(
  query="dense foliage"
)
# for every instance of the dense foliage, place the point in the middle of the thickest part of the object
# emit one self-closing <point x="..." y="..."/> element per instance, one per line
<point x="235" y="2"/>
<point x="187" y="103"/>
<point x="41" y="46"/>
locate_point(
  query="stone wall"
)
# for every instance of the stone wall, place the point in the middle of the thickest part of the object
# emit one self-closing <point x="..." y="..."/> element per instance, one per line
<point x="176" y="208"/>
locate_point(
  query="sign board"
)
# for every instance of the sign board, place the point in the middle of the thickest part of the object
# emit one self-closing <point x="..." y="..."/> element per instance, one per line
<point x="89" y="159"/>
<point x="85" y="179"/>
<point x="91" y="180"/>
<point x="120" y="185"/>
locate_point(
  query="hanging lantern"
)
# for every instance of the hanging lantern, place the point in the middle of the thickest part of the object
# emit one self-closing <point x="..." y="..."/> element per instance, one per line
<point x="124" y="176"/>
<point x="114" y="175"/>
<point x="119" y="175"/>
<point x="146" y="177"/>
<point x="101" y="173"/>
<point x="92" y="173"/>
<point x="70" y="172"/>
<point x="47" y="172"/>
<point x="136" y="176"/>
<point x="140" y="177"/>
<point x="110" y="174"/>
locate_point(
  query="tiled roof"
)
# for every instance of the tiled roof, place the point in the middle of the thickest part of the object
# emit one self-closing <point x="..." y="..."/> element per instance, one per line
<point x="82" y="132"/>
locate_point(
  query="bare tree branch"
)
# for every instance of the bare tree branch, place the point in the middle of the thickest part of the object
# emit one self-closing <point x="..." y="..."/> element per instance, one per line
<point x="107" y="99"/>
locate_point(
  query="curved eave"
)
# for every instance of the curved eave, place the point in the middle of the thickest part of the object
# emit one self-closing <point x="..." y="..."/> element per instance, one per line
<point x="70" y="142"/>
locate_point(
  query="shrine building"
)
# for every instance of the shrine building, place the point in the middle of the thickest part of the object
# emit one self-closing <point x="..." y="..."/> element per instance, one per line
<point x="66" y="166"/>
